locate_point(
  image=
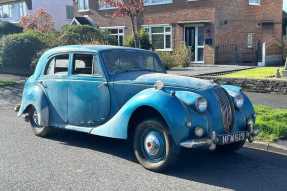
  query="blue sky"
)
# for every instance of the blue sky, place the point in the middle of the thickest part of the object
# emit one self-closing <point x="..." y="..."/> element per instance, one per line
<point x="285" y="5"/>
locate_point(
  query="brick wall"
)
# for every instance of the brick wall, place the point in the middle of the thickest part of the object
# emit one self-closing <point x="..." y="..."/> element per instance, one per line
<point x="229" y="20"/>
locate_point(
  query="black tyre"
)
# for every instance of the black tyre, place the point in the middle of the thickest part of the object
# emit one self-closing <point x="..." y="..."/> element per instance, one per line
<point x="152" y="145"/>
<point x="34" y="121"/>
<point x="230" y="147"/>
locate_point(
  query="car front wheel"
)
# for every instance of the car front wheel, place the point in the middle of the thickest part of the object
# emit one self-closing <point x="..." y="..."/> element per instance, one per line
<point x="153" y="147"/>
<point x="34" y="121"/>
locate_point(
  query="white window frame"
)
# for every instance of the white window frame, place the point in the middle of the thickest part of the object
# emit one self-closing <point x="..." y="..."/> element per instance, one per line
<point x="9" y="15"/>
<point x="150" y="2"/>
<point x="254" y="2"/>
<point x="105" y="6"/>
<point x="149" y="27"/>
<point x="86" y="5"/>
<point x="117" y="34"/>
<point x="250" y="40"/>
<point x="23" y="9"/>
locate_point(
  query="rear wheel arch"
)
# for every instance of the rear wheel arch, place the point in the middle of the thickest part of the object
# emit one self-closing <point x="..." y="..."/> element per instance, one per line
<point x="140" y="114"/>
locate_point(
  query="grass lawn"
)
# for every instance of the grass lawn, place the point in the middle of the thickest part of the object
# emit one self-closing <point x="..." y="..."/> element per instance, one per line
<point x="6" y="83"/>
<point x="272" y="122"/>
<point x="257" y="73"/>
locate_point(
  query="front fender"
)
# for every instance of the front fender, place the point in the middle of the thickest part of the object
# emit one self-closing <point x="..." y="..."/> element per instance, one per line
<point x="34" y="95"/>
<point x="170" y="107"/>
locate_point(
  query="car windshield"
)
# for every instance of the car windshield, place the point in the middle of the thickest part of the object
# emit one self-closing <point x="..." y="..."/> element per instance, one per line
<point x="121" y="61"/>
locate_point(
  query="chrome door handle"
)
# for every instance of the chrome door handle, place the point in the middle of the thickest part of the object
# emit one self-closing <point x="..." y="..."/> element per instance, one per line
<point x="103" y="84"/>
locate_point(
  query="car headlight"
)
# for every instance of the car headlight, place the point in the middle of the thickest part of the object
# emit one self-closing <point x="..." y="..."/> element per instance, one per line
<point x="238" y="100"/>
<point x="201" y="104"/>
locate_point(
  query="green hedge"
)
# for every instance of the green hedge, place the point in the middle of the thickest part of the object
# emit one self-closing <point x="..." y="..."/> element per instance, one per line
<point x="9" y="28"/>
<point x="18" y="50"/>
<point x="81" y="34"/>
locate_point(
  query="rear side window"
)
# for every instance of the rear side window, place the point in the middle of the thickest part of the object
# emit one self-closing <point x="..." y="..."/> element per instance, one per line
<point x="85" y="64"/>
<point x="58" y="65"/>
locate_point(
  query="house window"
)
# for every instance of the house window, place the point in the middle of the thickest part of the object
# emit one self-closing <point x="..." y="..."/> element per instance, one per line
<point x="5" y="11"/>
<point x="104" y="5"/>
<point x="254" y="2"/>
<point x="160" y="36"/>
<point x="69" y="12"/>
<point x="156" y="2"/>
<point x="250" y="39"/>
<point x="117" y="33"/>
<point x="22" y="9"/>
<point x="83" y="5"/>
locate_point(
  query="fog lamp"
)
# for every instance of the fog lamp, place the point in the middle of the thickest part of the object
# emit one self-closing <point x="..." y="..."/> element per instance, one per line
<point x="198" y="131"/>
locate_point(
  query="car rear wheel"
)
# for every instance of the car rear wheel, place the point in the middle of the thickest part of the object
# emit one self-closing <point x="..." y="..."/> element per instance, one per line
<point x="34" y="121"/>
<point x="230" y="147"/>
<point x="152" y="145"/>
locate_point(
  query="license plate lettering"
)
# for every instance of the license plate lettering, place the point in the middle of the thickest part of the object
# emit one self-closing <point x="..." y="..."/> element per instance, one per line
<point x="231" y="138"/>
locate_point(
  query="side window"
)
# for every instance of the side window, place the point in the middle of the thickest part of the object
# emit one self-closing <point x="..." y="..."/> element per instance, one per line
<point x="83" y="64"/>
<point x="58" y="65"/>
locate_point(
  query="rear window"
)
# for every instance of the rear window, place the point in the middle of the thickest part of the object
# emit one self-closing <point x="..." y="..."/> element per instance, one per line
<point x="58" y="65"/>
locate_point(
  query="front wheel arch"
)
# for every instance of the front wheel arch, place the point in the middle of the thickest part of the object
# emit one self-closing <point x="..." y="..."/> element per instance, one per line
<point x="140" y="114"/>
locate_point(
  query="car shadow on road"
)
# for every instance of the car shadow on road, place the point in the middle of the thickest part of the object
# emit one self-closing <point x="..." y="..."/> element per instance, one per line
<point x="248" y="169"/>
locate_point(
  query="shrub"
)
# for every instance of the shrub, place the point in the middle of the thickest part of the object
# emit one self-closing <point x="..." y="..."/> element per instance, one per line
<point x="183" y="55"/>
<point x="69" y="38"/>
<point x="143" y="38"/>
<point x="82" y="33"/>
<point x="168" y="59"/>
<point x="180" y="57"/>
<point x="9" y="28"/>
<point x="18" y="50"/>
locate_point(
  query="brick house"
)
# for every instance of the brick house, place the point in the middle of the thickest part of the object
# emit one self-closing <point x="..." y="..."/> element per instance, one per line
<point x="217" y="31"/>
<point x="13" y="10"/>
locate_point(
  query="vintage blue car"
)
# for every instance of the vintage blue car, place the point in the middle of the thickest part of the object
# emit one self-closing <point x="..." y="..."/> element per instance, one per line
<point x="125" y="93"/>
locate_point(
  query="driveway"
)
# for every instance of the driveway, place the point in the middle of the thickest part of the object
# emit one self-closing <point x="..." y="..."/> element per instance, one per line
<point x="76" y="161"/>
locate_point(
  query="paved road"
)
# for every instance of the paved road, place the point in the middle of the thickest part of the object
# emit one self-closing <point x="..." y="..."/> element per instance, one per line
<point x="273" y="100"/>
<point x="75" y="161"/>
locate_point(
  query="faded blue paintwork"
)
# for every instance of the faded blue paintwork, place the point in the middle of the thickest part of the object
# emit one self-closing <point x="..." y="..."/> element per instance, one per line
<point x="103" y="104"/>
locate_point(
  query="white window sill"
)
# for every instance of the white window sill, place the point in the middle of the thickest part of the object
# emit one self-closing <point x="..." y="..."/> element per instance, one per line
<point x="108" y="8"/>
<point x="254" y="4"/>
<point x="159" y="3"/>
<point x="83" y="10"/>
<point x="164" y="50"/>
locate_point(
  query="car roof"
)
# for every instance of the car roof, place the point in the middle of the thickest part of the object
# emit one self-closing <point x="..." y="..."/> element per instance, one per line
<point x="89" y="48"/>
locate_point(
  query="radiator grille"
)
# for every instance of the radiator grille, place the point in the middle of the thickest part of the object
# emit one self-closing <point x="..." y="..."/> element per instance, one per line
<point x="226" y="107"/>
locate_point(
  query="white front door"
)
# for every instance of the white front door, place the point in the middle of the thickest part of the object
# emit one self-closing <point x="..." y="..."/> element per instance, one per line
<point x="194" y="38"/>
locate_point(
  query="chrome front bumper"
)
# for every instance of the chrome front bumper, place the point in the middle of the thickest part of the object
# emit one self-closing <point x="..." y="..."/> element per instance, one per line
<point x="212" y="140"/>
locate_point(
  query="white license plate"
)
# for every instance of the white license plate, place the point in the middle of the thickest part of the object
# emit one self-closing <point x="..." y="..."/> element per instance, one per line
<point x="231" y="138"/>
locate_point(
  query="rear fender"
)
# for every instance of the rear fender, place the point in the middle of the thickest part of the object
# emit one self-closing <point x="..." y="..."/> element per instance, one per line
<point x="35" y="96"/>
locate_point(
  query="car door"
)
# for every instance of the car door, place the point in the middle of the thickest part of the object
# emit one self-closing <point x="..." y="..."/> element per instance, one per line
<point x="88" y="93"/>
<point x="54" y="82"/>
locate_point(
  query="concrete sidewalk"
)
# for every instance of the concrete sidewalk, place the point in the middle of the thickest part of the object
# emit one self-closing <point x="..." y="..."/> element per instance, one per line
<point x="11" y="77"/>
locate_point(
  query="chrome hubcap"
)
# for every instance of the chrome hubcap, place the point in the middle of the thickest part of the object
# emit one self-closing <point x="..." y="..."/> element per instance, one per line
<point x="35" y="119"/>
<point x="154" y="144"/>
